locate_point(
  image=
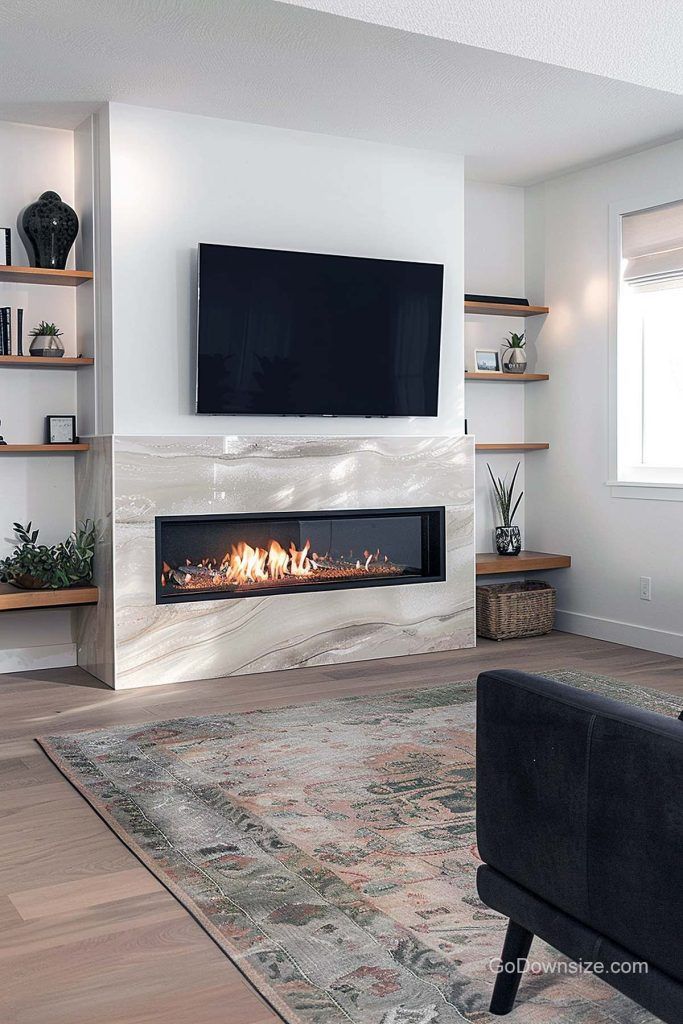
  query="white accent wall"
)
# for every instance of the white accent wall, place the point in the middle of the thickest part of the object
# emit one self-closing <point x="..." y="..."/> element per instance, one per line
<point x="613" y="541"/>
<point x="179" y="179"/>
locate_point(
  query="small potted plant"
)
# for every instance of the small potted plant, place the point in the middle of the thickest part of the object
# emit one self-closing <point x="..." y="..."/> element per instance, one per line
<point x="514" y="357"/>
<point x="46" y="341"/>
<point x="33" y="566"/>
<point x="508" y="537"/>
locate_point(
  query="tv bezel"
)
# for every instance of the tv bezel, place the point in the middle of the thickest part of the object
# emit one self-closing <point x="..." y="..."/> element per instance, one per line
<point x="315" y="415"/>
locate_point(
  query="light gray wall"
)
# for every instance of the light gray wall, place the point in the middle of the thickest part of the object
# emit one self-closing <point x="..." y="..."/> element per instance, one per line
<point x="37" y="488"/>
<point x="179" y="179"/>
<point x="613" y="541"/>
<point x="494" y="264"/>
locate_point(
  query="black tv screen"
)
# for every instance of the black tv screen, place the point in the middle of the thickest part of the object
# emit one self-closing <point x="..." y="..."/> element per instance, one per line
<point x="298" y="333"/>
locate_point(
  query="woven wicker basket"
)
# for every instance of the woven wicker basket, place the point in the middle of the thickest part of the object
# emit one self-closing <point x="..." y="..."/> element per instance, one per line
<point x="509" y="610"/>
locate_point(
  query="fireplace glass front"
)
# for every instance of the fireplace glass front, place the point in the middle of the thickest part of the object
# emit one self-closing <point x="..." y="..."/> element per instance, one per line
<point x="229" y="556"/>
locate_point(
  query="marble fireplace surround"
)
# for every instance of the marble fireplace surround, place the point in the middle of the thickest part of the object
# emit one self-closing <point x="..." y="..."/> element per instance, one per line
<point x="131" y="641"/>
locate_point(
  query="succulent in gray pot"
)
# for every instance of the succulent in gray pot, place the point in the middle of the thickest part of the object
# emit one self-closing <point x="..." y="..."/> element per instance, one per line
<point x="46" y="341"/>
<point x="508" y="536"/>
<point x="33" y="566"/>
<point x="514" y="357"/>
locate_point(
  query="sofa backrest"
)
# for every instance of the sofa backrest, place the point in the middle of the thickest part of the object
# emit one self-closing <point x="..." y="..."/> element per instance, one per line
<point x="580" y="800"/>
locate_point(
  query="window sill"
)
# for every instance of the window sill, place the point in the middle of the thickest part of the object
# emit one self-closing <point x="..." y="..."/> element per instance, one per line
<point x="645" y="491"/>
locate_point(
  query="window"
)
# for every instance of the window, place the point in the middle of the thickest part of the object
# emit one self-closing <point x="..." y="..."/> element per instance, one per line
<point x="649" y="348"/>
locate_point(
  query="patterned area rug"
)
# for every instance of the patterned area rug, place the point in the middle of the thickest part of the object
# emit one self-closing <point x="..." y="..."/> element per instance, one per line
<point x="329" y="850"/>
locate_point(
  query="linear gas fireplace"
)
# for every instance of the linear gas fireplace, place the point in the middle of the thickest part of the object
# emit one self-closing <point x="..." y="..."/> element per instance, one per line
<point x="216" y="556"/>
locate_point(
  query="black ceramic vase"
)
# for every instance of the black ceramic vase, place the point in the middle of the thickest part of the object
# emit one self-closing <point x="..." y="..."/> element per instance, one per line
<point x="508" y="540"/>
<point x="51" y="227"/>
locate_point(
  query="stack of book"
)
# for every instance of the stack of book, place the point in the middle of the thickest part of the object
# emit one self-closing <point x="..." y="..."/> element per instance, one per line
<point x="5" y="331"/>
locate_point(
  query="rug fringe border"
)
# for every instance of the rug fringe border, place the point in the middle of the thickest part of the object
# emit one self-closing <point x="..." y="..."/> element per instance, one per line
<point x="252" y="977"/>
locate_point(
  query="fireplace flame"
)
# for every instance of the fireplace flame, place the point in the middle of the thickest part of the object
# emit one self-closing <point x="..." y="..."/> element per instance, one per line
<point x="244" y="565"/>
<point x="278" y="561"/>
<point x="299" y="564"/>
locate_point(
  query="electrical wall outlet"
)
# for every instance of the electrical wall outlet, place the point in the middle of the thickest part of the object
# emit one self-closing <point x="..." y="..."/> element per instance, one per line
<point x="645" y="588"/>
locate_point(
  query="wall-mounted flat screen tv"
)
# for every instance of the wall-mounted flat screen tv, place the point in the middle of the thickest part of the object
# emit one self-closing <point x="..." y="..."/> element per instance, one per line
<point x="304" y="334"/>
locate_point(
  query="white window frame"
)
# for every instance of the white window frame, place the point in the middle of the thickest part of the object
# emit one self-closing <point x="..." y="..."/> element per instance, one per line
<point x="635" y="481"/>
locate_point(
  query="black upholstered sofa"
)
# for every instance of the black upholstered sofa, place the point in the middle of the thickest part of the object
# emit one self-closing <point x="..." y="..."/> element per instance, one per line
<point x="580" y="827"/>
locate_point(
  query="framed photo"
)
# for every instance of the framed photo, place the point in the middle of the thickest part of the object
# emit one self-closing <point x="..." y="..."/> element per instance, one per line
<point x="486" y="360"/>
<point x="60" y="430"/>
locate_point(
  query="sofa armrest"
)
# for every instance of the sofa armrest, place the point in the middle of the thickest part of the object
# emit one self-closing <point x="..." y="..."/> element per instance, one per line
<point x="580" y="801"/>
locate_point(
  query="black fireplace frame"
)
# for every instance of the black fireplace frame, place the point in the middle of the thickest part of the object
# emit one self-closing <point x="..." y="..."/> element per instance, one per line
<point x="435" y="533"/>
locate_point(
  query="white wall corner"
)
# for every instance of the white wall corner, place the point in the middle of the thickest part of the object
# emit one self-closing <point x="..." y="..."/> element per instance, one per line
<point x="102" y="266"/>
<point x="534" y="244"/>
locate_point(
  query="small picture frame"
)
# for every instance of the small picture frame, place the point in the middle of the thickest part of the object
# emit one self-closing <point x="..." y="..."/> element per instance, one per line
<point x="486" y="360"/>
<point x="60" y="430"/>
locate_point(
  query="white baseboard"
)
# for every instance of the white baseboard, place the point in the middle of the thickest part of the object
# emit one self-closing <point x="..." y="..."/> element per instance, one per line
<point x="658" y="640"/>
<point x="25" y="659"/>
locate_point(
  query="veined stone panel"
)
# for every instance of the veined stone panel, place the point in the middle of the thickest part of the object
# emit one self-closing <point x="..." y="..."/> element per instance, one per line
<point x="94" y="500"/>
<point x="184" y="476"/>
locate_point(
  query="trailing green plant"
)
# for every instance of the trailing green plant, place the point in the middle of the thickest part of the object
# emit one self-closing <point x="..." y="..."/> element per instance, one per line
<point x="504" y="495"/>
<point x="44" y="329"/>
<point x="515" y="340"/>
<point x="34" y="566"/>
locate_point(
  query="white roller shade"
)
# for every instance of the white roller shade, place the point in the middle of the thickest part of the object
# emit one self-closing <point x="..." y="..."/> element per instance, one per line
<point x="652" y="242"/>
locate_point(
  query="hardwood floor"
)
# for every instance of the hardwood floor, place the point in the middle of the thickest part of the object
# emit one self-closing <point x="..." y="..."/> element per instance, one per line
<point x="87" y="935"/>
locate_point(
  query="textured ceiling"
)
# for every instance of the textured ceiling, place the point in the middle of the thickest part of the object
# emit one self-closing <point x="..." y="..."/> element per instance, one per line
<point x="515" y="120"/>
<point x="639" y="41"/>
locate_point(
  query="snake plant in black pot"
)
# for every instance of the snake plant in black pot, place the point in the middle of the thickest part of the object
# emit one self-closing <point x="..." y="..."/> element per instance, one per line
<point x="508" y="537"/>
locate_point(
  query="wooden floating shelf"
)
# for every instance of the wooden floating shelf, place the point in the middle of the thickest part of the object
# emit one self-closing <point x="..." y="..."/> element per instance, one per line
<point x="13" y="599"/>
<point x="505" y="377"/>
<point x="539" y="446"/>
<point x="42" y="449"/>
<point x="489" y="563"/>
<point x="504" y="309"/>
<point x="44" y="275"/>
<point x="46" y="362"/>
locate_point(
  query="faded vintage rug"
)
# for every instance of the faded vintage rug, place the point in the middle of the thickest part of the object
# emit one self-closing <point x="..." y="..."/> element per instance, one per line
<point x="329" y="850"/>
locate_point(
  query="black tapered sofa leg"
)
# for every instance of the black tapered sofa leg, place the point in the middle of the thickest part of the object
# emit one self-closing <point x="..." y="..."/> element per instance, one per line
<point x="515" y="951"/>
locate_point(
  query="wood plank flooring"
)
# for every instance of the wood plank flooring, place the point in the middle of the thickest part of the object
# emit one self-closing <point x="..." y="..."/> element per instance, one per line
<point x="88" y="936"/>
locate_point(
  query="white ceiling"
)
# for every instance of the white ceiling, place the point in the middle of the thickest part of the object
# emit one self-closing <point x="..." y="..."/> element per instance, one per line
<point x="516" y="120"/>
<point x="638" y="41"/>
